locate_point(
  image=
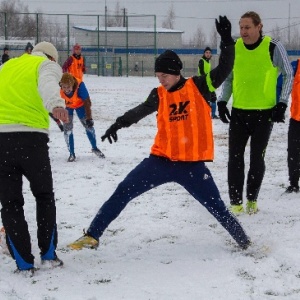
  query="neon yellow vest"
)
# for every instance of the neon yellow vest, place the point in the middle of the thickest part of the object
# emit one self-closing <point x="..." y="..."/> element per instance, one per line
<point x="20" y="102"/>
<point x="254" y="77"/>
<point x="206" y="67"/>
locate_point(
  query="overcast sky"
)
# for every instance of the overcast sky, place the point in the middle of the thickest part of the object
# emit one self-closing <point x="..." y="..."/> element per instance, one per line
<point x="189" y="13"/>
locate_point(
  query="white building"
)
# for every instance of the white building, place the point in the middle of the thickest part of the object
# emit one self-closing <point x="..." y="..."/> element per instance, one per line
<point x="127" y="37"/>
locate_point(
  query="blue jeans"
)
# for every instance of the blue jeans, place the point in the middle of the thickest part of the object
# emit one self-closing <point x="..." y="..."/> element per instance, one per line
<point x="154" y="171"/>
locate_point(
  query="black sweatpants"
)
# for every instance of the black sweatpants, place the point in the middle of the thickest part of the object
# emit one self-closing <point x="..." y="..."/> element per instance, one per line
<point x="245" y="124"/>
<point x="294" y="152"/>
<point x="26" y="153"/>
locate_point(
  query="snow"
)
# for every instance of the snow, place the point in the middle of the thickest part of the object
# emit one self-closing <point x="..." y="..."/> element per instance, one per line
<point x="164" y="245"/>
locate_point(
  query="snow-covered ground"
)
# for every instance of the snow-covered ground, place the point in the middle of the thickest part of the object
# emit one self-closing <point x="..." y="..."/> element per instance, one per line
<point x="164" y="245"/>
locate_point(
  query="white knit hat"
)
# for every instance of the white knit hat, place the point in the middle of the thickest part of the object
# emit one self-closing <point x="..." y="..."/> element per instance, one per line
<point x="46" y="48"/>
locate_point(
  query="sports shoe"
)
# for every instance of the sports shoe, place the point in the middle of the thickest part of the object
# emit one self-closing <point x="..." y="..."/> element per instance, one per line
<point x="251" y="207"/>
<point x="237" y="209"/>
<point x="26" y="273"/>
<point x="292" y="189"/>
<point x="52" y="263"/>
<point x="98" y="153"/>
<point x="72" y="158"/>
<point x="85" y="241"/>
<point x="245" y="245"/>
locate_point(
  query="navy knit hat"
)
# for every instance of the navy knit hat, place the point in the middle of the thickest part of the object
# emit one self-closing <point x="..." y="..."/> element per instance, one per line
<point x="169" y="63"/>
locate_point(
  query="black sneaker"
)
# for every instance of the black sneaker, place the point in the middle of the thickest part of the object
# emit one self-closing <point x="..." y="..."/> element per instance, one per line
<point x="292" y="189"/>
<point x="245" y="245"/>
<point x="98" y="153"/>
<point x="72" y="158"/>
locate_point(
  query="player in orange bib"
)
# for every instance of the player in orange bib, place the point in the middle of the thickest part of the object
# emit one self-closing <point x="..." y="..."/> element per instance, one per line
<point x="183" y="143"/>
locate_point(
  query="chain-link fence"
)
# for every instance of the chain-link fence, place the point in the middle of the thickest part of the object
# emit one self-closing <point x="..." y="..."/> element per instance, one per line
<point x="108" y="41"/>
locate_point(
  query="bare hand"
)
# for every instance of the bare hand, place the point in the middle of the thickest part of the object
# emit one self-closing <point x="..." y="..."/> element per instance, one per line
<point x="61" y="114"/>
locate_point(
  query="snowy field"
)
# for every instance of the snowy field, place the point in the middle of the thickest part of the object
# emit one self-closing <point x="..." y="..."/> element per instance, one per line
<point x="164" y="245"/>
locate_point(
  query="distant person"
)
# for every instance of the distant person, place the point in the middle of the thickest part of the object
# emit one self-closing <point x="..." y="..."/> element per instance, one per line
<point x="183" y="143"/>
<point x="75" y="64"/>
<point x="5" y="55"/>
<point x="29" y="90"/>
<point x="252" y="84"/>
<point x="77" y="100"/>
<point x="28" y="48"/>
<point x="204" y="67"/>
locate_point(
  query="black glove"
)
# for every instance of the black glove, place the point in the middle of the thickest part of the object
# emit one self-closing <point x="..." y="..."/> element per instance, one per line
<point x="223" y="112"/>
<point x="111" y="133"/>
<point x="223" y="27"/>
<point x="278" y="112"/>
<point x="89" y="123"/>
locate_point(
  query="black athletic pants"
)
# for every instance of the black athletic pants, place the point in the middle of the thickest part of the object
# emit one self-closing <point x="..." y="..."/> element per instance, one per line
<point x="245" y="124"/>
<point x="294" y="152"/>
<point x="26" y="153"/>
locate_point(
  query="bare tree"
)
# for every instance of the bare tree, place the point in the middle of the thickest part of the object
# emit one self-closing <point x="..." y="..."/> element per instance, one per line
<point x="276" y="33"/>
<point x="199" y="39"/>
<point x="294" y="41"/>
<point x="213" y="37"/>
<point x="20" y="24"/>
<point x="170" y="19"/>
<point x="116" y="20"/>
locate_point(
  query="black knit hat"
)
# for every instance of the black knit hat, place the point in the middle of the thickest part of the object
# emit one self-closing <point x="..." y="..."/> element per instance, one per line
<point x="28" y="46"/>
<point x="169" y="63"/>
<point x="207" y="49"/>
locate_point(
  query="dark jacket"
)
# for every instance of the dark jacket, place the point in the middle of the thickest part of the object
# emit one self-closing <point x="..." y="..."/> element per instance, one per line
<point x="5" y="58"/>
<point x="217" y="75"/>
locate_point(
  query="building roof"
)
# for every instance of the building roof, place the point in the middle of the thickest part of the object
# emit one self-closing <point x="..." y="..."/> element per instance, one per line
<point x="127" y="29"/>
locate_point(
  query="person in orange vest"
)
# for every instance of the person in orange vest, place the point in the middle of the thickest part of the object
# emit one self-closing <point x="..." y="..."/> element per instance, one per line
<point x="293" y="150"/>
<point x="75" y="64"/>
<point x="77" y="99"/>
<point x="183" y="143"/>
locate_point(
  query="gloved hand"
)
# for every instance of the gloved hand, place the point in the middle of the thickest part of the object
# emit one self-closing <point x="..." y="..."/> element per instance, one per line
<point x="223" y="27"/>
<point x="278" y="112"/>
<point x="223" y="111"/>
<point x="89" y="123"/>
<point x="111" y="133"/>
